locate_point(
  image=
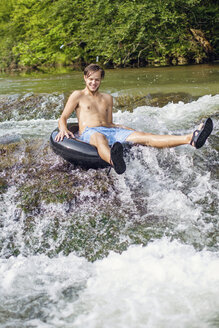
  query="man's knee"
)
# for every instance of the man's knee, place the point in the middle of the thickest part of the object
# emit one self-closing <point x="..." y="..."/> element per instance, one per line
<point x="137" y="137"/>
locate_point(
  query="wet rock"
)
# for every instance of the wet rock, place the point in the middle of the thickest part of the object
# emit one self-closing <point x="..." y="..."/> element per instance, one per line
<point x="48" y="179"/>
<point x="31" y="106"/>
<point x="7" y="139"/>
<point x="3" y="185"/>
<point x="130" y="102"/>
<point x="8" y="155"/>
<point x="60" y="208"/>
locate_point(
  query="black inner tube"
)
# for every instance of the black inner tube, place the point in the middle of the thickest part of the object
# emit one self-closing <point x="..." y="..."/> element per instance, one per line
<point x="76" y="151"/>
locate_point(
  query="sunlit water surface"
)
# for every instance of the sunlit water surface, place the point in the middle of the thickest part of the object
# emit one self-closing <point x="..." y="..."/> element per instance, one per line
<point x="137" y="250"/>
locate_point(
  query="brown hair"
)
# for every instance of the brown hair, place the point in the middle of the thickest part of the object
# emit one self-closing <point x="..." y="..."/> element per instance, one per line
<point x="93" y="68"/>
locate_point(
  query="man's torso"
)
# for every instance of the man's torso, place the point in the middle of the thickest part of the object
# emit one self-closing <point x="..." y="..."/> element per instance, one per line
<point x="94" y="111"/>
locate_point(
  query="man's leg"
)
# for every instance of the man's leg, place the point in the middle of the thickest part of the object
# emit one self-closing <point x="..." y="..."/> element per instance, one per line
<point x="113" y="155"/>
<point x="158" y="141"/>
<point x="100" y="142"/>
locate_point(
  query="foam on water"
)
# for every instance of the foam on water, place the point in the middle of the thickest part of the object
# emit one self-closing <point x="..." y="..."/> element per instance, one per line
<point x="164" y="284"/>
<point x="36" y="288"/>
<point x="27" y="128"/>
<point x="171" y="117"/>
<point x="167" y="200"/>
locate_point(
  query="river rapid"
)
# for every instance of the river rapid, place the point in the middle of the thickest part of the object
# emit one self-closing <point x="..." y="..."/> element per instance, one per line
<point x="80" y="248"/>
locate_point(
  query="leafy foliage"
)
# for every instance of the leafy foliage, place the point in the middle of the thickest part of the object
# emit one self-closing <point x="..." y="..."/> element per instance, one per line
<point x="36" y="33"/>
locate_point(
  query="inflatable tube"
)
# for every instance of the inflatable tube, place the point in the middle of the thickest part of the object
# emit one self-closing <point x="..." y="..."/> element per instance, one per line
<point x="76" y="151"/>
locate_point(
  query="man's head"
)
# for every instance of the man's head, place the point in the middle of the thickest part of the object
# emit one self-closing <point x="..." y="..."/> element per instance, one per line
<point x="93" y="68"/>
<point x="92" y="76"/>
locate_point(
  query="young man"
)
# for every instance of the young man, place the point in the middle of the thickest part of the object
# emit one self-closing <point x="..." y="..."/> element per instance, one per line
<point x="94" y="113"/>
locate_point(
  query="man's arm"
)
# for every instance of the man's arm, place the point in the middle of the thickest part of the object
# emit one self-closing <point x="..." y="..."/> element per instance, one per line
<point x="70" y="106"/>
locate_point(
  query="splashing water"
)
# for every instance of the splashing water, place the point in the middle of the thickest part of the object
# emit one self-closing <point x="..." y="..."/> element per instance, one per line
<point x="80" y="249"/>
<point x="165" y="284"/>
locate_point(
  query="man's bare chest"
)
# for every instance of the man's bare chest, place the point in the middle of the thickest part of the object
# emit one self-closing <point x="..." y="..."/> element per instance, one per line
<point x="93" y="107"/>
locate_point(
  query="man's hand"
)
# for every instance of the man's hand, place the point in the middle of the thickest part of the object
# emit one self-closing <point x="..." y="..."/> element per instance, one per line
<point x="64" y="133"/>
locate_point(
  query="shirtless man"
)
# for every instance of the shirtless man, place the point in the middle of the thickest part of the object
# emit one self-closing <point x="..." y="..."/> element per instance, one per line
<point x="95" y="119"/>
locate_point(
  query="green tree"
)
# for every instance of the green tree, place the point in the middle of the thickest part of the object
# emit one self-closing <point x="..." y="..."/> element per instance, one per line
<point x="36" y="33"/>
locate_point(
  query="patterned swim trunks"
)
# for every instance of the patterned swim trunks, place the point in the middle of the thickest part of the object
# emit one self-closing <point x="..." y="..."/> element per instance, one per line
<point x="112" y="134"/>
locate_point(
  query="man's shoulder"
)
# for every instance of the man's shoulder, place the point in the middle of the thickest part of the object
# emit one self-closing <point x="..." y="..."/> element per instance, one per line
<point x="77" y="93"/>
<point x="106" y="96"/>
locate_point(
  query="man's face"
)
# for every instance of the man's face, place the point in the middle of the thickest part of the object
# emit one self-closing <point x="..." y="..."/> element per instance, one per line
<point x="93" y="81"/>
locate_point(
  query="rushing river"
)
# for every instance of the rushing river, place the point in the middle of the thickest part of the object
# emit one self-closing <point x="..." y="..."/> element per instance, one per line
<point x="86" y="249"/>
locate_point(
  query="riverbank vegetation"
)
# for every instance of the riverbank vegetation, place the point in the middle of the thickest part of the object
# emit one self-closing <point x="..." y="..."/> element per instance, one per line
<point x="53" y="33"/>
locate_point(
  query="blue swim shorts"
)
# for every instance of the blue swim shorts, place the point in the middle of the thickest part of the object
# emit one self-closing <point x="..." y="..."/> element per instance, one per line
<point x="112" y="134"/>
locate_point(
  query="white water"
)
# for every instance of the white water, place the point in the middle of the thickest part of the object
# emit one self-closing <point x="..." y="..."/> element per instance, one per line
<point x="167" y="283"/>
<point x="163" y="285"/>
<point x="171" y="117"/>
